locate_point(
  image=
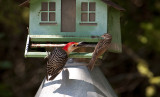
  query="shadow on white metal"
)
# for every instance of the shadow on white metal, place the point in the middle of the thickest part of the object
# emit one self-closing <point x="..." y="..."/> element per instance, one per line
<point x="77" y="81"/>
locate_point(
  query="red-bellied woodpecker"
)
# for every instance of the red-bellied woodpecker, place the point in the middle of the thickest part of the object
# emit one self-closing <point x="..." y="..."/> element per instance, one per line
<point x="58" y="58"/>
<point x="100" y="48"/>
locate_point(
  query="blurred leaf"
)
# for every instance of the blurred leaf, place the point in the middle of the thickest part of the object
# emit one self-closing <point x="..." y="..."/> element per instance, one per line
<point x="155" y="80"/>
<point x="5" y="65"/>
<point x="143" y="39"/>
<point x="150" y="91"/>
<point x="147" y="26"/>
<point x="157" y="5"/>
<point x="144" y="70"/>
<point x="25" y="15"/>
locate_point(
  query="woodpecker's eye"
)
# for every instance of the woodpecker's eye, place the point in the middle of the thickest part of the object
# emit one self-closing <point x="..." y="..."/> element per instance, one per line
<point x="74" y="45"/>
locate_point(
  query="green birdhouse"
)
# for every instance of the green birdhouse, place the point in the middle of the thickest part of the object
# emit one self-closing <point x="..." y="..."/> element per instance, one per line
<point x="52" y="23"/>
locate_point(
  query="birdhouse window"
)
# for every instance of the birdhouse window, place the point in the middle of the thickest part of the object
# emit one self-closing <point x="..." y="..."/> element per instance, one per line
<point x="48" y="13"/>
<point x="88" y="13"/>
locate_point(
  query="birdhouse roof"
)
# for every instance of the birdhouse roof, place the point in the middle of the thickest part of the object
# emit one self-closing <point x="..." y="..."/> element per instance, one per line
<point x="25" y="3"/>
<point x="108" y="2"/>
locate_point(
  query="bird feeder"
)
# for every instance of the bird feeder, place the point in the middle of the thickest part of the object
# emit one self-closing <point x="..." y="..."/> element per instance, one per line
<point x="52" y="23"/>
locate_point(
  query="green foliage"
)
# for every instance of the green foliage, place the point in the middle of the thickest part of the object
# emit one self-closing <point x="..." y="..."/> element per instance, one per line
<point x="141" y="32"/>
<point x="11" y="16"/>
<point x="144" y="70"/>
<point x="5" y="65"/>
<point x="5" y="90"/>
<point x="140" y="24"/>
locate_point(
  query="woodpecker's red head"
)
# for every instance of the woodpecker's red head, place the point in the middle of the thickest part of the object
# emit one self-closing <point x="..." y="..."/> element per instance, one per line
<point x="69" y="47"/>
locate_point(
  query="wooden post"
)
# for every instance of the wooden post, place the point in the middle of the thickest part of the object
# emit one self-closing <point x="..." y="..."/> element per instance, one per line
<point x="77" y="81"/>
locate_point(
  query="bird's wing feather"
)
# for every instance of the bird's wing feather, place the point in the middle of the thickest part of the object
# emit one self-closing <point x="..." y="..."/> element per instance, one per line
<point x="56" y="62"/>
<point x="100" y="46"/>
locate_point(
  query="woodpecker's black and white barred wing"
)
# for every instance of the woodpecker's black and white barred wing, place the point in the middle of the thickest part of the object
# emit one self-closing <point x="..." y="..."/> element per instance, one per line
<point x="56" y="61"/>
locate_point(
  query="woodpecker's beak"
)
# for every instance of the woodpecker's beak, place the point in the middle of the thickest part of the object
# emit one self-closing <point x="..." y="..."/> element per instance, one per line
<point x="79" y="44"/>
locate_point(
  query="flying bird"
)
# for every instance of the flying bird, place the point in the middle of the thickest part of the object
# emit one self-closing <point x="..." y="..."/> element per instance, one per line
<point x="100" y="48"/>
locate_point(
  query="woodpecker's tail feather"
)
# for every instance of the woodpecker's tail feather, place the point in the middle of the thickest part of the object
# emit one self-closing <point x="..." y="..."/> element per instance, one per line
<point x="55" y="74"/>
<point x="91" y="64"/>
<point x="46" y="75"/>
<point x="52" y="77"/>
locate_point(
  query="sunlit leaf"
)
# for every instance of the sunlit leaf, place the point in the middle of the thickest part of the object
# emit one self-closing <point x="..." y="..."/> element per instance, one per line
<point x="146" y="26"/>
<point x="143" y="39"/>
<point x="155" y="80"/>
<point x="144" y="70"/>
<point x="150" y="91"/>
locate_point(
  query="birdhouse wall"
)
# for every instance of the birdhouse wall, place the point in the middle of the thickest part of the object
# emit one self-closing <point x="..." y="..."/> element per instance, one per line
<point x="114" y="29"/>
<point x="52" y="21"/>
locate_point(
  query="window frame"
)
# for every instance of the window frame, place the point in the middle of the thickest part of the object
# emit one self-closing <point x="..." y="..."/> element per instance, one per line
<point x="48" y="22"/>
<point x="88" y="22"/>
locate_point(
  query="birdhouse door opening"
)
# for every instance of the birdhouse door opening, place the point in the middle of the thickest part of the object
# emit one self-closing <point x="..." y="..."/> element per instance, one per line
<point x="68" y="16"/>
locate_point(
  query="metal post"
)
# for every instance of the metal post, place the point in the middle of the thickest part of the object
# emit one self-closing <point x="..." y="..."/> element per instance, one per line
<point x="77" y="81"/>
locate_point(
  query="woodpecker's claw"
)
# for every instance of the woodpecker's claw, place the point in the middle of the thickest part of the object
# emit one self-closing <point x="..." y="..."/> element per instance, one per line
<point x="46" y="55"/>
<point x="90" y="67"/>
